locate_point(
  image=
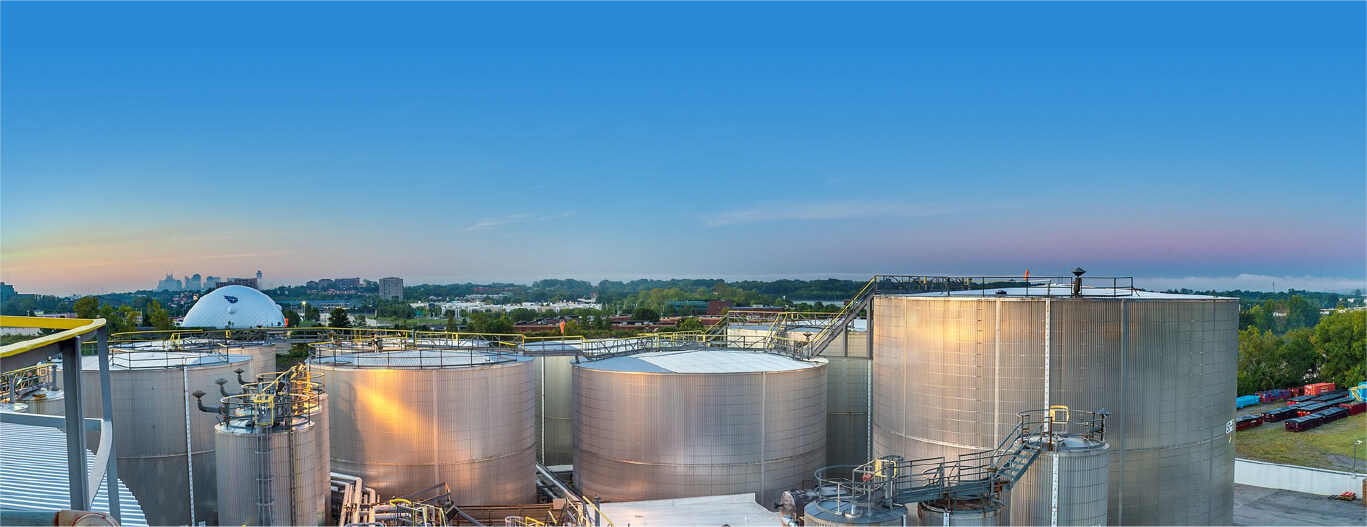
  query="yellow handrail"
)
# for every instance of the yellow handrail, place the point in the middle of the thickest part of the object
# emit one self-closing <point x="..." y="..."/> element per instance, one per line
<point x="841" y="314"/>
<point x="73" y="327"/>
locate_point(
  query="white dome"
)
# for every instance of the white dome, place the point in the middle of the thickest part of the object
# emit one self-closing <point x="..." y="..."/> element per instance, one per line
<point x="234" y="306"/>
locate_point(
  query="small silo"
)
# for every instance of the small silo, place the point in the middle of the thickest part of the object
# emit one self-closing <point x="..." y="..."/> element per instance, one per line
<point x="155" y="420"/>
<point x="1074" y="493"/>
<point x="847" y="391"/>
<point x="272" y="459"/>
<point x="407" y="420"/>
<point x="982" y="512"/>
<point x="952" y="370"/>
<point x="699" y="422"/>
<point x="36" y="390"/>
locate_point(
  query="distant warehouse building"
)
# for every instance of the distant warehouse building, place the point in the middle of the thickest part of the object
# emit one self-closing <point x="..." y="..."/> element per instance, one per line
<point x="391" y="288"/>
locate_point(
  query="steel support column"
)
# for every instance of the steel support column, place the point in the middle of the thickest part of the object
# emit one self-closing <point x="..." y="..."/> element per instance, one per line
<point x="75" y="421"/>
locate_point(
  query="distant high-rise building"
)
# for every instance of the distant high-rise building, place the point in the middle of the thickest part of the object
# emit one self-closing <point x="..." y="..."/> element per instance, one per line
<point x="193" y="283"/>
<point x="391" y="288"/>
<point x="211" y="282"/>
<point x="259" y="282"/>
<point x="169" y="284"/>
<point x="249" y="282"/>
<point x="6" y="291"/>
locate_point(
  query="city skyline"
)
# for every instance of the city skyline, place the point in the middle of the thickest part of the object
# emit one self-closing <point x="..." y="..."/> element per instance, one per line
<point x="1189" y="145"/>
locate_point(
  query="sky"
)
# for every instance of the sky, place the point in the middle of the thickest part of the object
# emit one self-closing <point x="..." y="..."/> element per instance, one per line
<point x="1202" y="145"/>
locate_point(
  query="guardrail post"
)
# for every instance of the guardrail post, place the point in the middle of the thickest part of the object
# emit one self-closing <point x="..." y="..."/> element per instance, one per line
<point x="75" y="423"/>
<point x="111" y="471"/>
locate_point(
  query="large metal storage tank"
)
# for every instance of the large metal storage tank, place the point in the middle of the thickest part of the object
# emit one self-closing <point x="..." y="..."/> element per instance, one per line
<point x="676" y="424"/>
<point x="847" y="392"/>
<point x="152" y="409"/>
<point x="951" y="372"/>
<point x="407" y="420"/>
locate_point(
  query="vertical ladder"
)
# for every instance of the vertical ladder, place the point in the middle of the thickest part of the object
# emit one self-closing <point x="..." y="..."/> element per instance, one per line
<point x="265" y="500"/>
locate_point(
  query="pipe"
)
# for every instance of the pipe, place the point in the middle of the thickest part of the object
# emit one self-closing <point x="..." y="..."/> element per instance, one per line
<point x="58" y="518"/>
<point x="221" y="389"/>
<point x="1077" y="281"/>
<point x="240" y="380"/>
<point x="199" y="401"/>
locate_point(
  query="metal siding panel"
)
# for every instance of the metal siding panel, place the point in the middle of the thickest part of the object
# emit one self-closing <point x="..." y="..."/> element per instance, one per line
<point x="941" y="389"/>
<point x="405" y="429"/>
<point x="642" y="436"/>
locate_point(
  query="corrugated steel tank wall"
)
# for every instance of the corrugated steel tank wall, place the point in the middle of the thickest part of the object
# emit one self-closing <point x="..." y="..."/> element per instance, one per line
<point x="554" y="410"/>
<point x="645" y="436"/>
<point x="296" y="460"/>
<point x="1083" y="481"/>
<point x="950" y="373"/>
<point x="847" y="396"/>
<point x="150" y="406"/>
<point x="262" y="354"/>
<point x="406" y="429"/>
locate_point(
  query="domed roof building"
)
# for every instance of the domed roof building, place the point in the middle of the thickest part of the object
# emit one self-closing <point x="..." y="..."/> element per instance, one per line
<point x="234" y="306"/>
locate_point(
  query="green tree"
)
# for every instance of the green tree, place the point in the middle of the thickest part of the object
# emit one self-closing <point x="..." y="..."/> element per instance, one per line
<point x="481" y="322"/>
<point x="339" y="319"/>
<point x="690" y="324"/>
<point x="1341" y="339"/>
<point x="292" y="317"/>
<point x="645" y="314"/>
<point x="1259" y="365"/>
<point x="1301" y="314"/>
<point x="87" y="307"/>
<point x="451" y="320"/>
<point x="158" y="317"/>
<point x="523" y="314"/>
<point x="311" y="314"/>
<point x="1299" y="362"/>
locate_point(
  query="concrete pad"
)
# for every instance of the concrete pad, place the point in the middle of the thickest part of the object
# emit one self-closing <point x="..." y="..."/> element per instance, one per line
<point x="1260" y="506"/>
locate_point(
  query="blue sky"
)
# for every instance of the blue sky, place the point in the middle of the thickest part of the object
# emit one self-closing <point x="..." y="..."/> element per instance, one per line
<point x="1183" y="143"/>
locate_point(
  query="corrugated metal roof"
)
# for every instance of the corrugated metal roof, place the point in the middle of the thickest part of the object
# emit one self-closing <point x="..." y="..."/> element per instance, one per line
<point x="700" y="361"/>
<point x="33" y="474"/>
<point x="734" y="509"/>
<point x="136" y="360"/>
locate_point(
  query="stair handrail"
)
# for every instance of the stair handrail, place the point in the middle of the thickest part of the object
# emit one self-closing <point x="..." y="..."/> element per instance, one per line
<point x="842" y="318"/>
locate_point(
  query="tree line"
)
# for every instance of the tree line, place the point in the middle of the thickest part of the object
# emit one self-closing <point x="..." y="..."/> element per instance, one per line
<point x="1286" y="343"/>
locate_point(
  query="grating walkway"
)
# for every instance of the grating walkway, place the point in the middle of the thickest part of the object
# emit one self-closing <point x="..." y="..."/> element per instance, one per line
<point x="33" y="474"/>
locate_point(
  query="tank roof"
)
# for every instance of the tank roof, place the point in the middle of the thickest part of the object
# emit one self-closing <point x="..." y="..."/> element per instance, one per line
<point x="418" y="359"/>
<point x="182" y="344"/>
<point x="1068" y="442"/>
<point x="1062" y="291"/>
<point x="700" y="361"/>
<point x="147" y="360"/>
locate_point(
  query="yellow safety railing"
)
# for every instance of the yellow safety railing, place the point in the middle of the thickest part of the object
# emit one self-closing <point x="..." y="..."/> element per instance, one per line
<point x="73" y="327"/>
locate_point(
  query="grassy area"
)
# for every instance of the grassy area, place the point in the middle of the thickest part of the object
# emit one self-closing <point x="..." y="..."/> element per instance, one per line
<point x="1327" y="446"/>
